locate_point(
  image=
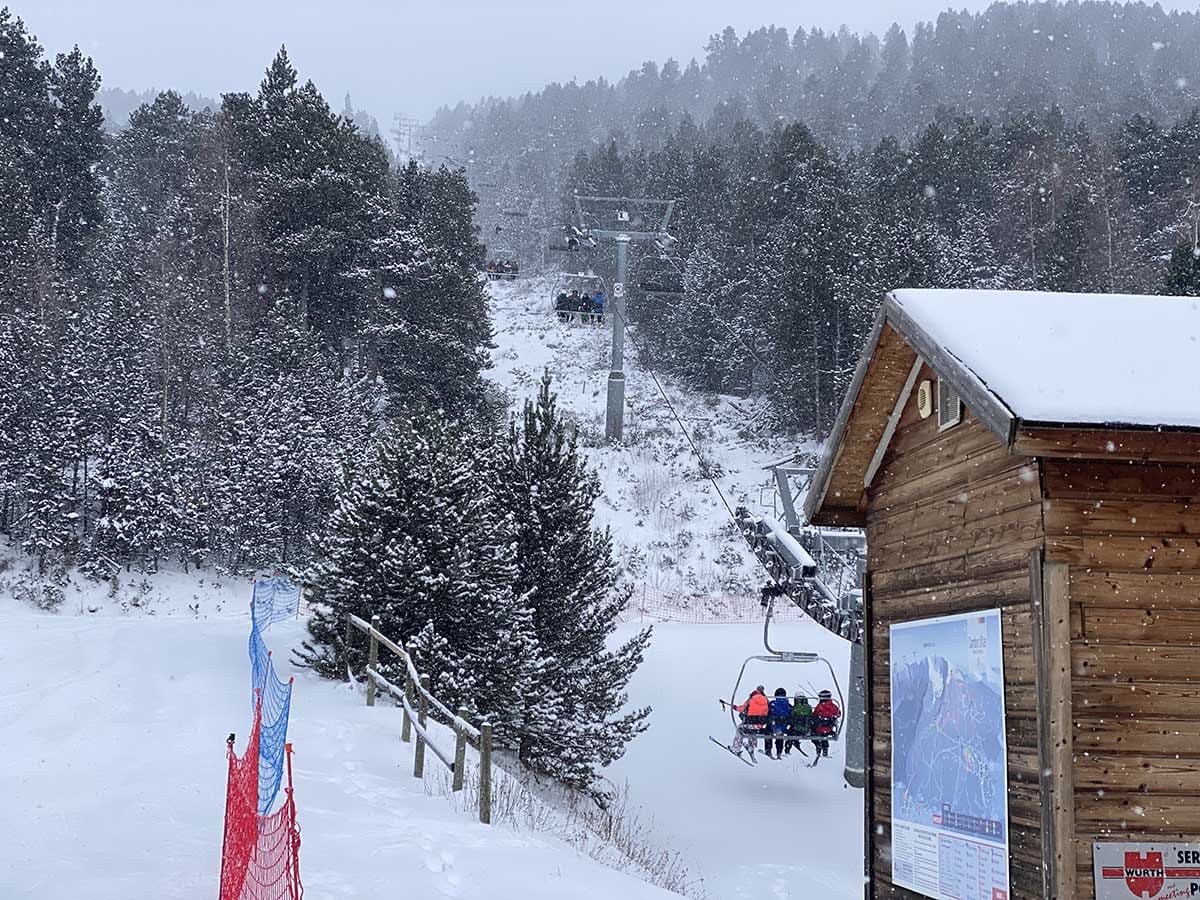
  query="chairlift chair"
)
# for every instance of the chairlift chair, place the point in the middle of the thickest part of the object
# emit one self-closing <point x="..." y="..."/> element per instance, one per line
<point x="787" y="657"/>
<point x="586" y="284"/>
<point x="660" y="274"/>
<point x="502" y="264"/>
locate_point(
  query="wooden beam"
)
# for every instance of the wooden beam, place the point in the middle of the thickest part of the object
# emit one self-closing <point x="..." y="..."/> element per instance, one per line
<point x="1111" y="444"/>
<point x="989" y="407"/>
<point x="833" y="445"/>
<point x="893" y="420"/>
<point x="1043" y="718"/>
<point x="1052" y="649"/>
<point x="869" y="736"/>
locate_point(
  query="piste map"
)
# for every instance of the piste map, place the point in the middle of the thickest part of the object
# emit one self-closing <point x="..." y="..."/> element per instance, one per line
<point x="948" y="753"/>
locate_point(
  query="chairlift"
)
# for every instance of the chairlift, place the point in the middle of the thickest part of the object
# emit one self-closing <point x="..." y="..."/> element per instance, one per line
<point x="660" y="274"/>
<point x="574" y="241"/>
<point x="502" y="264"/>
<point x="575" y="300"/>
<point x="756" y="731"/>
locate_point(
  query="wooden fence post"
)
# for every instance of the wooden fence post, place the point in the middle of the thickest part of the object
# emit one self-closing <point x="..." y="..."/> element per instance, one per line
<point x="409" y="695"/>
<point x="372" y="660"/>
<point x="460" y="751"/>
<point x="349" y="639"/>
<point x="485" y="772"/>
<point x="422" y="718"/>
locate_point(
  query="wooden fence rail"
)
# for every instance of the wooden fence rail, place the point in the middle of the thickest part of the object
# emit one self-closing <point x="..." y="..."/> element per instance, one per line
<point x="417" y="701"/>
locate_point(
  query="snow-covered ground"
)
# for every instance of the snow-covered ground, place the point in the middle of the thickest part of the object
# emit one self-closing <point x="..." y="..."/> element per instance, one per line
<point x="117" y="705"/>
<point x="671" y="531"/>
<point x="114" y="775"/>
<point x="778" y="830"/>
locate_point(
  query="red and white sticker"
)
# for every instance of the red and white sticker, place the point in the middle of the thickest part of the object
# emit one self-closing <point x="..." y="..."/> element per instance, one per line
<point x="1147" y="871"/>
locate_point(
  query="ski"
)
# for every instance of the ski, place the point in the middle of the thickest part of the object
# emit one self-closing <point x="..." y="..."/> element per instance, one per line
<point x="729" y="749"/>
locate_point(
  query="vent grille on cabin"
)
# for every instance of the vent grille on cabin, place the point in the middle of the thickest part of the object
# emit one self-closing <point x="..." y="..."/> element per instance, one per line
<point x="949" y="405"/>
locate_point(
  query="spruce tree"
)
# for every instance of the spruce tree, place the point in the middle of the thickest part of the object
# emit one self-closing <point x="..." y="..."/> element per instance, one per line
<point x="565" y="572"/>
<point x="1183" y="271"/>
<point x="418" y="539"/>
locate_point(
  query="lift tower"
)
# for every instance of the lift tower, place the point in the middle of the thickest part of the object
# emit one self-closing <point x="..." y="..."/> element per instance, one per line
<point x="623" y="221"/>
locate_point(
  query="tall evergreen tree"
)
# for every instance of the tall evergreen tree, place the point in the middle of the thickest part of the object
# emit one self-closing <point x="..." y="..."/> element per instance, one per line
<point x="565" y="571"/>
<point x="418" y="539"/>
<point x="1183" y="270"/>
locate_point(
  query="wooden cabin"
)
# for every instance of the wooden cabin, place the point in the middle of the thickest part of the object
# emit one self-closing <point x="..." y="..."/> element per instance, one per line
<point x="1037" y="454"/>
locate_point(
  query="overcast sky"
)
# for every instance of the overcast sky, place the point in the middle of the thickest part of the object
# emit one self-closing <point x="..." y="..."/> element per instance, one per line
<point x="397" y="56"/>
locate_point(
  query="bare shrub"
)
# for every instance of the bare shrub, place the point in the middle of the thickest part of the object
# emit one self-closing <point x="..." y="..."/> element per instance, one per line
<point x="615" y="836"/>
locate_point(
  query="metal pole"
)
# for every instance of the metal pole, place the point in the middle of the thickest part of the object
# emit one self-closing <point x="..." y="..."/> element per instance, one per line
<point x="856" y="731"/>
<point x="856" y="707"/>
<point x="615" y="419"/>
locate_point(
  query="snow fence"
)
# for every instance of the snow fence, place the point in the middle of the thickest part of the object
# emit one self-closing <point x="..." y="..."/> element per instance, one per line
<point x="651" y="605"/>
<point x="260" y="856"/>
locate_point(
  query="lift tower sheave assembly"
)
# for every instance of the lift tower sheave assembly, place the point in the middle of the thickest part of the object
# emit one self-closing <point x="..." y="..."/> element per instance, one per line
<point x="623" y="221"/>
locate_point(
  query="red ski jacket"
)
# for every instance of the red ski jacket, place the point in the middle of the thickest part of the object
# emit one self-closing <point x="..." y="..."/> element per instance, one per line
<point x="826" y="709"/>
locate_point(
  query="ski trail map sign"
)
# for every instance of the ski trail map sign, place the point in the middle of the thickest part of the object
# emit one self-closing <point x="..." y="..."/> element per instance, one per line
<point x="1160" y="871"/>
<point x="949" y="758"/>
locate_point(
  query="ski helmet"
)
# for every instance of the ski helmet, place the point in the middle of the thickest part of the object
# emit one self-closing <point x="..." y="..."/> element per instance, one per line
<point x="825" y="695"/>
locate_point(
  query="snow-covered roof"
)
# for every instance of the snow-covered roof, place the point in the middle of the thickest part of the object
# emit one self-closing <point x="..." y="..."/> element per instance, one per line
<point x="1088" y="359"/>
<point x="1030" y="366"/>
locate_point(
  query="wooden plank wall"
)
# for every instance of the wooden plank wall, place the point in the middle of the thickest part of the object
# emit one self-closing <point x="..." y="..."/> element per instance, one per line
<point x="1130" y="532"/>
<point x="951" y="520"/>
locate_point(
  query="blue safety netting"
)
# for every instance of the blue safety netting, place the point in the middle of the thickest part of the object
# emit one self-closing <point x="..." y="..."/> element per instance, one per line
<point x="276" y="705"/>
<point x="275" y="598"/>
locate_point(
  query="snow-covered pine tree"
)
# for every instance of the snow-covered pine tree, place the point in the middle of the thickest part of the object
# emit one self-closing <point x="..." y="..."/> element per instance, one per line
<point x="1183" y="271"/>
<point x="418" y="539"/>
<point x="565" y="569"/>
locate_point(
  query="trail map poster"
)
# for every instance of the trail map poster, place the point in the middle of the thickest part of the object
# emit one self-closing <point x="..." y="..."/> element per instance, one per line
<point x="949" y="758"/>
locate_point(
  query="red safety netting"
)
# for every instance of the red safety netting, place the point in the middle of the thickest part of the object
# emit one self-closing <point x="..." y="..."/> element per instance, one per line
<point x="260" y="858"/>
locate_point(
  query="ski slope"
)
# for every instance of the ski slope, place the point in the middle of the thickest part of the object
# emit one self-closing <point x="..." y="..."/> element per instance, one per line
<point x="775" y="831"/>
<point x="114" y="775"/>
<point x="778" y="830"/>
<point x="671" y="531"/>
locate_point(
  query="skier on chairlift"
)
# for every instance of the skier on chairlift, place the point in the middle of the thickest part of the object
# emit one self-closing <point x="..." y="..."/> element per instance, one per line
<point x="780" y="710"/>
<point x="755" y="713"/>
<point x="825" y="716"/>
<point x="800" y="725"/>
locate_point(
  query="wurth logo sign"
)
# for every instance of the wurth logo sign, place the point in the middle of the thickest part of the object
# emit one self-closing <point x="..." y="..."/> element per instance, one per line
<point x="1148" y="871"/>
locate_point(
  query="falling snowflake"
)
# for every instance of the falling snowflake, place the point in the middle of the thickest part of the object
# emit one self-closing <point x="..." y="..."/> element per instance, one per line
<point x="389" y="293"/>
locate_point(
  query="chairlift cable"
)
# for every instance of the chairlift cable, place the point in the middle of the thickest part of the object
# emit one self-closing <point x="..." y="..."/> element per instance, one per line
<point x="679" y="420"/>
<point x="737" y="337"/>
